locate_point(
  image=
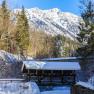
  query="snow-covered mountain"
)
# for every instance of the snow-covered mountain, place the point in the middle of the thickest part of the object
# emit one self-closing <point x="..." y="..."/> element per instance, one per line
<point x="53" y="21"/>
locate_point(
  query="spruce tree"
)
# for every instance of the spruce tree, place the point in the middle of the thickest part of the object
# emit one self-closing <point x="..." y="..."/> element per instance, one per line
<point x="85" y="37"/>
<point x="22" y="31"/>
<point x="5" y="20"/>
<point x="58" y="43"/>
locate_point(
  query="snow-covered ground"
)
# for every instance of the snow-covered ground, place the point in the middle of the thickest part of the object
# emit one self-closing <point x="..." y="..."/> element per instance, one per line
<point x="11" y="58"/>
<point x="86" y="84"/>
<point x="7" y="57"/>
<point x="89" y="84"/>
<point x="91" y="80"/>
<point x="16" y="87"/>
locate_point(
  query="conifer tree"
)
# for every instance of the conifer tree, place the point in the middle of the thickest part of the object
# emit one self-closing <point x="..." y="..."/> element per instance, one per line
<point x="4" y="24"/>
<point x="42" y="44"/>
<point x="86" y="34"/>
<point x="22" y="31"/>
<point x="58" y="43"/>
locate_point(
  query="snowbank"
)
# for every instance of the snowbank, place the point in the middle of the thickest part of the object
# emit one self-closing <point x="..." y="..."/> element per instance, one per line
<point x="7" y="57"/>
<point x="8" y="87"/>
<point x="86" y="84"/>
<point x="11" y="58"/>
<point x="20" y="87"/>
<point x="91" y="80"/>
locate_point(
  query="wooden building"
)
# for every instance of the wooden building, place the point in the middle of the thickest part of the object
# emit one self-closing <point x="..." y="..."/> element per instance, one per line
<point x="51" y="72"/>
<point x="82" y="88"/>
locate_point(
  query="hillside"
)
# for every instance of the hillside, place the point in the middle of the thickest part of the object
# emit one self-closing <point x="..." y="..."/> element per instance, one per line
<point x="53" y="21"/>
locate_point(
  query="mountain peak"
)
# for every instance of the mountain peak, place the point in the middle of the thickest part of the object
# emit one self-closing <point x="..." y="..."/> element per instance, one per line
<point x="55" y="10"/>
<point x="54" y="21"/>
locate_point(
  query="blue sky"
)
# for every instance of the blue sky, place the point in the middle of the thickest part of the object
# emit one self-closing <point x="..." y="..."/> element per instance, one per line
<point x="64" y="5"/>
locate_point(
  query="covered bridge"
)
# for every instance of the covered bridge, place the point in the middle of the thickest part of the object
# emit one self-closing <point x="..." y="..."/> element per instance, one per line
<point x="51" y="72"/>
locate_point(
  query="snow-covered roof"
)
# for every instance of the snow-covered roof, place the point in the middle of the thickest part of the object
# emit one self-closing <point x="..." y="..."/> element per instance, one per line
<point x="86" y="85"/>
<point x="44" y="65"/>
<point x="62" y="58"/>
<point x="12" y="79"/>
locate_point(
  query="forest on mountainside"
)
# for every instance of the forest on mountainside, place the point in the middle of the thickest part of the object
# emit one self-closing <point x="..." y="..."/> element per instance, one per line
<point x="17" y="37"/>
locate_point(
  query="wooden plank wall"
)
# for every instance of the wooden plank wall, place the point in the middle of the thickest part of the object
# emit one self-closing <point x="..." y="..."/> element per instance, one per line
<point x="77" y="89"/>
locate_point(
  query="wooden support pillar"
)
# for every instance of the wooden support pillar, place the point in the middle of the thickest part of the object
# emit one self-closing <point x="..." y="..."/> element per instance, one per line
<point x="39" y="79"/>
<point x="28" y="78"/>
<point x="43" y="73"/>
<point x="74" y="74"/>
<point x="51" y="76"/>
<point x="72" y="90"/>
<point x="62" y="77"/>
<point x="74" y="79"/>
<point x="36" y="74"/>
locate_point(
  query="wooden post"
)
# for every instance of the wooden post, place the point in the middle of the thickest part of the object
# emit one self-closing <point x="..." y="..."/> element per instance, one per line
<point x="74" y="78"/>
<point x="62" y="77"/>
<point x="39" y="79"/>
<point x="73" y="89"/>
<point x="36" y="73"/>
<point x="51" y="76"/>
<point x="28" y="75"/>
